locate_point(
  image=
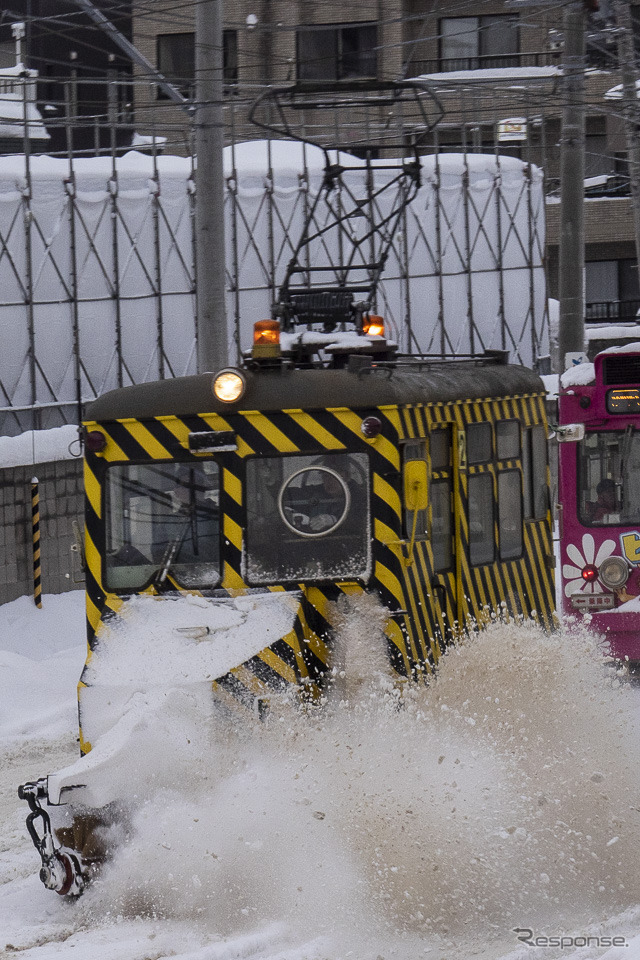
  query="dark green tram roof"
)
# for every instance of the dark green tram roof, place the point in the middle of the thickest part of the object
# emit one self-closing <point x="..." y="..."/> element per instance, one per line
<point x="288" y="388"/>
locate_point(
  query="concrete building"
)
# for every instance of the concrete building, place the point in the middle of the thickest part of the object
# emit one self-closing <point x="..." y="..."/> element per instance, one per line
<point x="83" y="91"/>
<point x="495" y="69"/>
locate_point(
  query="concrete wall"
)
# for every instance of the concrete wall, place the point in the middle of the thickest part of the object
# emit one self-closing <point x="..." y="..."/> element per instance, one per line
<point x="61" y="502"/>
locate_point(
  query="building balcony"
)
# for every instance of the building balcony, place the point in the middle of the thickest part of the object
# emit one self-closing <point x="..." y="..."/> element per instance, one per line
<point x="611" y="310"/>
<point x="416" y="68"/>
<point x="597" y="59"/>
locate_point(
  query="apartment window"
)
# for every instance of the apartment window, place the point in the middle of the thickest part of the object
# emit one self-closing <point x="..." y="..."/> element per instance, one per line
<point x="176" y="58"/>
<point x="7" y="54"/>
<point x="598" y="161"/>
<point x="337" y="52"/>
<point x="471" y="43"/>
<point x="612" y="291"/>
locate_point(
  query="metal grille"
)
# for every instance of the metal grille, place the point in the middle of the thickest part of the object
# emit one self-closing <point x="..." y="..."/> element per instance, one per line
<point x="621" y="369"/>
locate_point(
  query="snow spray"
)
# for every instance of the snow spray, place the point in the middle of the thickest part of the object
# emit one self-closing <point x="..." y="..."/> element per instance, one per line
<point x="395" y="818"/>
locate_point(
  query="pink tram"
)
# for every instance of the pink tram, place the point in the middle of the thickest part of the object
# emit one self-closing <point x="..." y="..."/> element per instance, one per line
<point x="599" y="496"/>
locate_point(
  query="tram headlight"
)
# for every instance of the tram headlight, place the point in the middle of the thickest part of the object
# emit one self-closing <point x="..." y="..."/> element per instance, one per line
<point x="229" y="386"/>
<point x="614" y="573"/>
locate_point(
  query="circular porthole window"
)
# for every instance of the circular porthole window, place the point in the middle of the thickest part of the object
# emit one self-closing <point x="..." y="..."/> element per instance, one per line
<point x="314" y="501"/>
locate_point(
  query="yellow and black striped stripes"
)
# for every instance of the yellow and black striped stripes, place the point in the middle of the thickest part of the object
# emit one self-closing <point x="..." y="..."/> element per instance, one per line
<point x="35" y="539"/>
<point x="429" y="603"/>
<point x="301" y="658"/>
<point x="467" y="593"/>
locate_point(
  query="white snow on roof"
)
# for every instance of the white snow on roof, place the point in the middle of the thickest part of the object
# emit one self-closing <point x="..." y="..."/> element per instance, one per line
<point x="19" y="70"/>
<point x="39" y="446"/>
<point x="612" y="332"/>
<point x="349" y="340"/>
<point x="142" y="140"/>
<point x="500" y="73"/>
<point x="616" y="93"/>
<point x="597" y="181"/>
<point x="12" y="119"/>
<point x="578" y="376"/>
<point x="251" y="158"/>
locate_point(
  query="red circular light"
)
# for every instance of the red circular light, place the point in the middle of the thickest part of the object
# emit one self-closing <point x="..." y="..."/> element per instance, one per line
<point x="95" y="441"/>
<point x="371" y="427"/>
<point x="589" y="573"/>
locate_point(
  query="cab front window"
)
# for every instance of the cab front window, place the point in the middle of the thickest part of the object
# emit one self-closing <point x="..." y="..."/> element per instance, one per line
<point x="307" y="518"/>
<point x="609" y="477"/>
<point x="162" y="524"/>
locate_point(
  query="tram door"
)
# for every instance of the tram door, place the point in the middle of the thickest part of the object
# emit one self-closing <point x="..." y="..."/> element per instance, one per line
<point x="433" y="573"/>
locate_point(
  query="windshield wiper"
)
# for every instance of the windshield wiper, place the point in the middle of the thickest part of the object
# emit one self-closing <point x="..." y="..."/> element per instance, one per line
<point x="170" y="553"/>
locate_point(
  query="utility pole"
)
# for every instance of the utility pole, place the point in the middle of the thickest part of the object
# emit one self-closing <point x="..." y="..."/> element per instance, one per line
<point x="571" y="280"/>
<point x="213" y="350"/>
<point x="627" y="62"/>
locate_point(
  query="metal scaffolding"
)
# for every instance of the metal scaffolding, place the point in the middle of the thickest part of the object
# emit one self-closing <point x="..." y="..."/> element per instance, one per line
<point x="97" y="260"/>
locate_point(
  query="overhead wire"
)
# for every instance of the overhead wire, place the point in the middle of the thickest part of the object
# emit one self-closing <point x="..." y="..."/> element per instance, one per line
<point x="181" y="14"/>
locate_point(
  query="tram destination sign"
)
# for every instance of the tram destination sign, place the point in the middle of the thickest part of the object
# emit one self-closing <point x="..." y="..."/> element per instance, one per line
<point x="623" y="401"/>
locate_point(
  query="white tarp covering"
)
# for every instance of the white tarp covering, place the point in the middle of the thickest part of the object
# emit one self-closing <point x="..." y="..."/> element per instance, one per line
<point x="97" y="264"/>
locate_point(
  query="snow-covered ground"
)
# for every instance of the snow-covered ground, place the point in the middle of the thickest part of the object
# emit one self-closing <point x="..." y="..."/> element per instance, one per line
<point x="504" y="796"/>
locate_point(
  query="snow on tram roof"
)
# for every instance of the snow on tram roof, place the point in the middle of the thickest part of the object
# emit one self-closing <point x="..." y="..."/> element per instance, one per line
<point x="584" y="373"/>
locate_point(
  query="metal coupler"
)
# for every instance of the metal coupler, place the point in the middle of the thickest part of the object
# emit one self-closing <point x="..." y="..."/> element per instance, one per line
<point x="61" y="868"/>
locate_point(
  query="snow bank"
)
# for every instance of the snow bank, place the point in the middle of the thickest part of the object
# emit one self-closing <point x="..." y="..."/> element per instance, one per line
<point x="39" y="446"/>
<point x="41" y="657"/>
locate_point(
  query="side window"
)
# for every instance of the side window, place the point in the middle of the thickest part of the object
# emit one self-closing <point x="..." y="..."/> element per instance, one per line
<point x="509" y="514"/>
<point x="508" y="439"/>
<point x="414" y="450"/>
<point x="479" y="442"/>
<point x="534" y="469"/>
<point x="539" y="472"/>
<point x="481" y="515"/>
<point x="441" y="521"/>
<point x="440" y="441"/>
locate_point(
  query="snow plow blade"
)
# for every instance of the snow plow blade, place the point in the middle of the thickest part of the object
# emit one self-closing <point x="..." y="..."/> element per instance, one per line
<point x="157" y="661"/>
<point x="156" y="650"/>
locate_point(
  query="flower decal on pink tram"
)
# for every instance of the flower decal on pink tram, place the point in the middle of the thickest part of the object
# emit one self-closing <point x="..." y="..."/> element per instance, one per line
<point x="585" y="558"/>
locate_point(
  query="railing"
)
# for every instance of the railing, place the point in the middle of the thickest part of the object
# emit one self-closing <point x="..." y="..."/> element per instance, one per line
<point x="599" y="310"/>
<point x="609" y="185"/>
<point x="415" y="68"/>
<point x="597" y="57"/>
<point x="614" y="185"/>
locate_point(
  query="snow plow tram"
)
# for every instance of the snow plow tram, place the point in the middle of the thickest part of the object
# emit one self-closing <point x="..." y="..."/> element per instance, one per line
<point x="232" y="517"/>
<point x="239" y="511"/>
